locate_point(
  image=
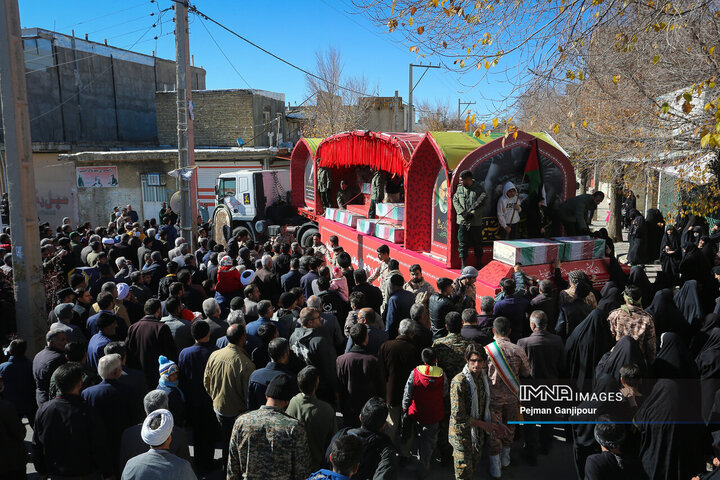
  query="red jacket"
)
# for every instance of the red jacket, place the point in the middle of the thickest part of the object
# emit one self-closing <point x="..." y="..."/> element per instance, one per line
<point x="426" y="394"/>
<point x="228" y="280"/>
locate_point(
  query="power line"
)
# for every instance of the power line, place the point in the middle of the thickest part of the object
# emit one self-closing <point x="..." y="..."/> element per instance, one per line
<point x="223" y="53"/>
<point x="52" y="55"/>
<point x="89" y="55"/>
<point x="91" y="81"/>
<point x="287" y="62"/>
<point x="108" y="14"/>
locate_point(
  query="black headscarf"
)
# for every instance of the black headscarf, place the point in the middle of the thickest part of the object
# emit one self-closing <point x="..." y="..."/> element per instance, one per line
<point x="584" y="434"/>
<point x="611" y="298"/>
<point x="674" y="359"/>
<point x="667" y="316"/>
<point x="662" y="281"/>
<point x="671" y="262"/>
<point x="637" y="237"/>
<point x="625" y="352"/>
<point x="655" y="229"/>
<point x="670" y="450"/>
<point x="708" y="363"/>
<point x="711" y="321"/>
<point x="584" y="348"/>
<point x="688" y="301"/>
<point x="639" y="278"/>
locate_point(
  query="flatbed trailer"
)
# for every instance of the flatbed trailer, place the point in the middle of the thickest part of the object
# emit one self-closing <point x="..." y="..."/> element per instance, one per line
<point x="429" y="167"/>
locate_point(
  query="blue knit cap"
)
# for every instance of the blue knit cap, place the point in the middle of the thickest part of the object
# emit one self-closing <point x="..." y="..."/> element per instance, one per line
<point x="167" y="367"/>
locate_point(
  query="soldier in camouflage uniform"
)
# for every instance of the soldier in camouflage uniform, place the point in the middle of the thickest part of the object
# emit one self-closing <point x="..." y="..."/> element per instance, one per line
<point x="268" y="443"/>
<point x="450" y="350"/>
<point x="469" y="220"/>
<point x="467" y="428"/>
<point x="324" y="186"/>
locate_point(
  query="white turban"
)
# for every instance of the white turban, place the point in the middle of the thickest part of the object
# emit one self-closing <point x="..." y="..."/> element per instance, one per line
<point x="122" y="289"/>
<point x="160" y="435"/>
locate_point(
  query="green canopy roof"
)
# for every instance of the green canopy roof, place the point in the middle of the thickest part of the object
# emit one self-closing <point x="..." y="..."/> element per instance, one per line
<point x="313" y="144"/>
<point x="456" y="145"/>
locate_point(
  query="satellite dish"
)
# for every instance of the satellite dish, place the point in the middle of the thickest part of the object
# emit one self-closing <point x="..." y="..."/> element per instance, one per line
<point x="176" y="202"/>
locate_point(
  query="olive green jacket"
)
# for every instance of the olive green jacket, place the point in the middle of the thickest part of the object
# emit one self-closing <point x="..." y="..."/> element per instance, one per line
<point x="463" y="199"/>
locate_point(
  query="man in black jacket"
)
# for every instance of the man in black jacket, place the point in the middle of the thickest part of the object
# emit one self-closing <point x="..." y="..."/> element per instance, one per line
<point x="373" y="295"/>
<point x="546" y="301"/>
<point x="46" y="361"/>
<point x="379" y="459"/>
<point x="546" y="355"/>
<point x="316" y="350"/>
<point x="69" y="437"/>
<point x="440" y="304"/>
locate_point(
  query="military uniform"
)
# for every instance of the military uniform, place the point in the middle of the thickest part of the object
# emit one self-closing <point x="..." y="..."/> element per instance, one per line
<point x="377" y="191"/>
<point x="463" y="199"/>
<point x="344" y="197"/>
<point x="450" y="351"/>
<point x="465" y="454"/>
<point x="268" y="443"/>
<point x="324" y="186"/>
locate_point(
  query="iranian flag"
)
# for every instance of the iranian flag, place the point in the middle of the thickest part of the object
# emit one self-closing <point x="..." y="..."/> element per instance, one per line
<point x="532" y="170"/>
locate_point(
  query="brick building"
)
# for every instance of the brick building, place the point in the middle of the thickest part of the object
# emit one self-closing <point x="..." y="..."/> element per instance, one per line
<point x="222" y="117"/>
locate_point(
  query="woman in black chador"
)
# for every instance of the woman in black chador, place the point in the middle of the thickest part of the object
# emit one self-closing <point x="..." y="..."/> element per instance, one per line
<point x="637" y="236"/>
<point x="655" y="224"/>
<point x="671" y="253"/>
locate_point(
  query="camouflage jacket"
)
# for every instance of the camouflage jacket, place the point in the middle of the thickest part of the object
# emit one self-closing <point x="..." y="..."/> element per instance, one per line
<point x="268" y="443"/>
<point x="450" y="350"/>
<point x="463" y="199"/>
<point x="460" y="432"/>
<point x="638" y="324"/>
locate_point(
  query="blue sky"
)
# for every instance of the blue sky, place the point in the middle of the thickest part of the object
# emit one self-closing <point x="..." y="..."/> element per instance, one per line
<point x="293" y="30"/>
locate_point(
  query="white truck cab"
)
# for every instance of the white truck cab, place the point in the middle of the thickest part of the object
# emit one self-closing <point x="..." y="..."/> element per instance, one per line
<point x="242" y="199"/>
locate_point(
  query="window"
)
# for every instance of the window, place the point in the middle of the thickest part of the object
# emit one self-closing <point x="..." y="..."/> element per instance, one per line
<point x="227" y="187"/>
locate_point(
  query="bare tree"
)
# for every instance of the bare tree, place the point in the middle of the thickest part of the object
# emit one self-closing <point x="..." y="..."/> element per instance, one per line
<point x="438" y="117"/>
<point x="337" y="105"/>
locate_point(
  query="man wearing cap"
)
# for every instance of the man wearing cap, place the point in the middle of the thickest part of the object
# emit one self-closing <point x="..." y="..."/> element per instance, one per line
<point x="468" y="200"/>
<point x="253" y="455"/>
<point x="65" y="295"/>
<point x="64" y="314"/>
<point x="463" y="288"/>
<point x="158" y="463"/>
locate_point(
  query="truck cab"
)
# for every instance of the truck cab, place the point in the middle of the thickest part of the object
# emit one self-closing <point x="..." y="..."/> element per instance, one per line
<point x="249" y="199"/>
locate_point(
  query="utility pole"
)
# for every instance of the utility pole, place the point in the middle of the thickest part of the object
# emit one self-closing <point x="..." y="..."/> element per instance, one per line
<point x="466" y="104"/>
<point x="186" y="143"/>
<point x="411" y="87"/>
<point x="395" y="112"/>
<point x="27" y="261"/>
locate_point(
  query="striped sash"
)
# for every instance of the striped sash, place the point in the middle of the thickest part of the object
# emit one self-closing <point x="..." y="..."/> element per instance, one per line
<point x="503" y="367"/>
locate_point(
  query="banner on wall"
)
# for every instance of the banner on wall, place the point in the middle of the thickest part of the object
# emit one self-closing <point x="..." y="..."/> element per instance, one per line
<point x="96" y="177"/>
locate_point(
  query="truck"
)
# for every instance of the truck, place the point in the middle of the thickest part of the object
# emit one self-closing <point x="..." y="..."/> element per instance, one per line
<point x="421" y="227"/>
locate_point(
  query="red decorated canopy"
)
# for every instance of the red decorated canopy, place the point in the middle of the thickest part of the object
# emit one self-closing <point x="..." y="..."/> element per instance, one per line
<point x="389" y="152"/>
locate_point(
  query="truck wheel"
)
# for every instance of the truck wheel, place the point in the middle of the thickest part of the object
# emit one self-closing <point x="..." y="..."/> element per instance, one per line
<point x="221" y="225"/>
<point x="306" y="237"/>
<point x="237" y="226"/>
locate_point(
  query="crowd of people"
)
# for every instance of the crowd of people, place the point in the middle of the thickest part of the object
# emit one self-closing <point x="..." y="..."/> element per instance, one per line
<point x="296" y="365"/>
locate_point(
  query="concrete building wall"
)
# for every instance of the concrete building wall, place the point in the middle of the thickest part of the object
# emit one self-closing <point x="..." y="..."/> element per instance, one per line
<point x="94" y="94"/>
<point x="97" y="203"/>
<point x="381" y="114"/>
